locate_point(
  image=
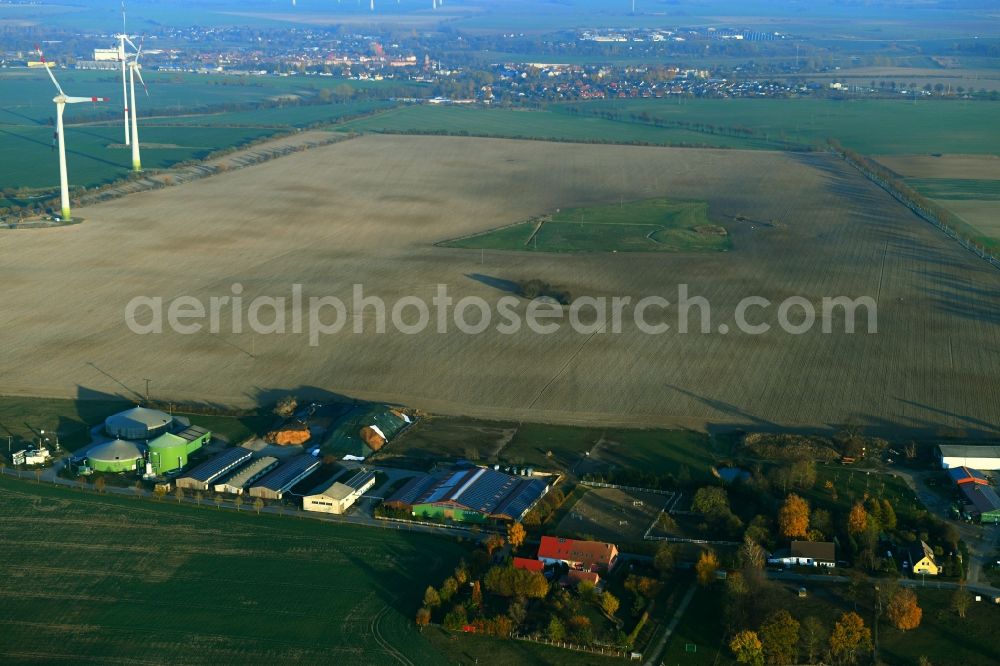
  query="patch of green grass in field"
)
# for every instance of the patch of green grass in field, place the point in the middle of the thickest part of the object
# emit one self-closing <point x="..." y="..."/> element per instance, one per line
<point x="700" y="627"/>
<point x="469" y="649"/>
<point x="957" y="188"/>
<point x="233" y="429"/>
<point x="109" y="579"/>
<point x="23" y="419"/>
<point x="657" y="452"/>
<point x="442" y="438"/>
<point x="544" y="125"/>
<point x="650" y="225"/>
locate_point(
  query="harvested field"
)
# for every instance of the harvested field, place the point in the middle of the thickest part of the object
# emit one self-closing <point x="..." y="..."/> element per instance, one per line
<point x="985" y="167"/>
<point x="609" y="514"/>
<point x="967" y="185"/>
<point x="369" y="211"/>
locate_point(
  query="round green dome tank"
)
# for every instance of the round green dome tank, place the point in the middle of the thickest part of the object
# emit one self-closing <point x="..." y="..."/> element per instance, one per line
<point x="114" y="456"/>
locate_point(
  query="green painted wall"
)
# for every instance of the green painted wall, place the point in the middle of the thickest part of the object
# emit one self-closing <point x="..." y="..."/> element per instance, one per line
<point x="431" y="511"/>
<point x="112" y="465"/>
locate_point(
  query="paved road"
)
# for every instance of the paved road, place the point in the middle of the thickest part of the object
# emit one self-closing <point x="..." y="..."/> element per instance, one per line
<point x="929" y="583"/>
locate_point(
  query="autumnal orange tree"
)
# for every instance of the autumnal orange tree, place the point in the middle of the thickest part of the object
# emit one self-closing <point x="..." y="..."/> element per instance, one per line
<point x="708" y="562"/>
<point x="849" y="638"/>
<point x="516" y="535"/>
<point x="423" y="617"/>
<point x="747" y="648"/>
<point x="793" y="517"/>
<point x="857" y="521"/>
<point x="903" y="610"/>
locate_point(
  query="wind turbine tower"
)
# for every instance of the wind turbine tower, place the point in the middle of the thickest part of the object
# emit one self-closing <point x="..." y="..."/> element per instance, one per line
<point x="133" y="69"/>
<point x="122" y="56"/>
<point x="61" y="100"/>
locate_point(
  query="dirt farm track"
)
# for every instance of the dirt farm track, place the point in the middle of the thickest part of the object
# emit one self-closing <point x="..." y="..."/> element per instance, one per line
<point x="369" y="210"/>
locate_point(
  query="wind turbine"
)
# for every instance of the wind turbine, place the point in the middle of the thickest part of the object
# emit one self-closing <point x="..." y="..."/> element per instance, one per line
<point x="61" y="100"/>
<point x="133" y="71"/>
<point x="123" y="57"/>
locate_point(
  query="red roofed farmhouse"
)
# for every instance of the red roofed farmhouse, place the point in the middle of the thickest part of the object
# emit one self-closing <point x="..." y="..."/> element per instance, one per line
<point x="530" y="565"/>
<point x="583" y="555"/>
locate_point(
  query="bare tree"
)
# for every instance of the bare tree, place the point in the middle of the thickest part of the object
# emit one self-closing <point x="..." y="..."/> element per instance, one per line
<point x="218" y="500"/>
<point x="238" y="501"/>
<point x="198" y="497"/>
<point x="258" y="504"/>
<point x="99" y="484"/>
<point x="179" y="494"/>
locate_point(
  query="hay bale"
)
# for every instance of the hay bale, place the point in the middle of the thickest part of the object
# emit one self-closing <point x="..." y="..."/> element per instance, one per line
<point x="288" y="436"/>
<point x="372" y="438"/>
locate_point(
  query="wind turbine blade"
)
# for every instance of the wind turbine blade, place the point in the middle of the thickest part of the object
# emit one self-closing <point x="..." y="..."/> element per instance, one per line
<point x="123" y="17"/>
<point x="48" y="69"/>
<point x="131" y="43"/>
<point x="137" y="73"/>
<point x="79" y="100"/>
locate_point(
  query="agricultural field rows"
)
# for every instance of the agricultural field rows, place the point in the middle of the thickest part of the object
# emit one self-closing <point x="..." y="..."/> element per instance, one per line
<point x="369" y="211"/>
<point x="115" y="580"/>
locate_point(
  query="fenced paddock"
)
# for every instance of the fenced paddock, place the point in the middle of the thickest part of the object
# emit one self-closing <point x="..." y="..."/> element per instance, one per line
<point x="613" y="514"/>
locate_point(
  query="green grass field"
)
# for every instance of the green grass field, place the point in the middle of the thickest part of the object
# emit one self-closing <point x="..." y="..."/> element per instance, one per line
<point x="869" y="126"/>
<point x="546" y="125"/>
<point x="650" y="225"/>
<point x="115" y="580"/>
<point x="957" y="189"/>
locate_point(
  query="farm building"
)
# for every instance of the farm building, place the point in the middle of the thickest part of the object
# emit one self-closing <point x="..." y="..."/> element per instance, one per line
<point x="807" y="554"/>
<point x="975" y="457"/>
<point x="582" y="555"/>
<point x="529" y="564"/>
<point x="246" y="475"/>
<point x="923" y="561"/>
<point x="983" y="500"/>
<point x="202" y="476"/>
<point x="170" y="451"/>
<point x="274" y="485"/>
<point x="115" y="456"/>
<point x="138" y="423"/>
<point x="469" y="495"/>
<point x="960" y="475"/>
<point x="574" y="577"/>
<point x="338" y="496"/>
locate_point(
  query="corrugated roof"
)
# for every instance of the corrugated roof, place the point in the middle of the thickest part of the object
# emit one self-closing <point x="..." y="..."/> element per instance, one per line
<point x="962" y="475"/>
<point x="412" y="489"/>
<point x="287" y="474"/>
<point x="969" y="451"/>
<point x="246" y="473"/>
<point x="983" y="498"/>
<point x="192" y="433"/>
<point x="212" y="469"/>
<point x="479" y="489"/>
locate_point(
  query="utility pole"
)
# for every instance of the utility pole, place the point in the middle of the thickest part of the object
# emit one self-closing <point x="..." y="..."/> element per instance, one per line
<point x="878" y="603"/>
<point x="147" y="390"/>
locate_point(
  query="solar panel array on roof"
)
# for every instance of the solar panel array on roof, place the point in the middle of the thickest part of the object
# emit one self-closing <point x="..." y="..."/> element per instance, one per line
<point x="521" y="498"/>
<point x="484" y="490"/>
<point x="192" y="433"/>
<point x="288" y="474"/>
<point x="413" y="489"/>
<point x="211" y="470"/>
<point x="359" y="480"/>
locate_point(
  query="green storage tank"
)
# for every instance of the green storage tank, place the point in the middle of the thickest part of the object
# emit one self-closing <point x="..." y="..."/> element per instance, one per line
<point x="114" y="456"/>
<point x="169" y="451"/>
